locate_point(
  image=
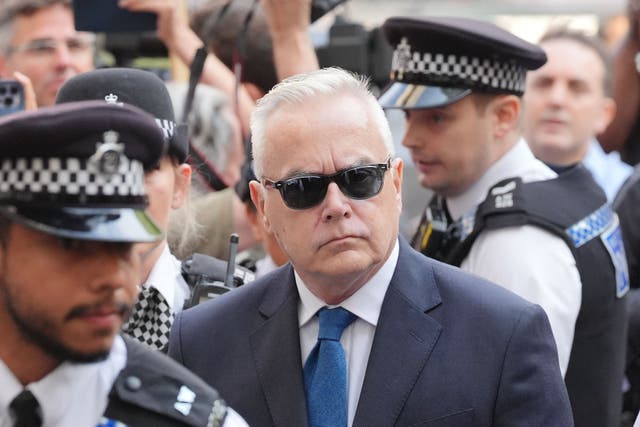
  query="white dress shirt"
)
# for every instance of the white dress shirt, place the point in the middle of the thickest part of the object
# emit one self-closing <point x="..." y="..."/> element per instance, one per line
<point x="607" y="169"/>
<point x="527" y="260"/>
<point x="357" y="338"/>
<point x="74" y="394"/>
<point x="167" y="278"/>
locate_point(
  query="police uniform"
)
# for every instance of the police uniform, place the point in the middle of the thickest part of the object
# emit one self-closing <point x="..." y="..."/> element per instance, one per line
<point x="164" y="292"/>
<point x="77" y="171"/>
<point x="551" y="239"/>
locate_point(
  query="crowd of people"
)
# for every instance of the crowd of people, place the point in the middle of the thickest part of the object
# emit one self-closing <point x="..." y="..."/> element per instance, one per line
<point x="515" y="302"/>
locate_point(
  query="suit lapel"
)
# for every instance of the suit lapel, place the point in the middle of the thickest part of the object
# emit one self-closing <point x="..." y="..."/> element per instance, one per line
<point x="276" y="352"/>
<point x="404" y="339"/>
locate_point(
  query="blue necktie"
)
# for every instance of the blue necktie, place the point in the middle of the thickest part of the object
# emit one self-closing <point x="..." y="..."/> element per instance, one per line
<point x="325" y="372"/>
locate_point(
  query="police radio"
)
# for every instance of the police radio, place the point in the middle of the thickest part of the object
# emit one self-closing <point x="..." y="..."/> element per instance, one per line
<point x="209" y="277"/>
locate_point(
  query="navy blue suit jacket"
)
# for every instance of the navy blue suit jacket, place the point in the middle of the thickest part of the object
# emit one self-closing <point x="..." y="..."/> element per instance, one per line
<point x="450" y="349"/>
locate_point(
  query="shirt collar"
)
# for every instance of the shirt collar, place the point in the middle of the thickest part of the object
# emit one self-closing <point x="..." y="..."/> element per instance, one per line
<point x="163" y="276"/>
<point x="366" y="303"/>
<point x="512" y="164"/>
<point x="58" y="392"/>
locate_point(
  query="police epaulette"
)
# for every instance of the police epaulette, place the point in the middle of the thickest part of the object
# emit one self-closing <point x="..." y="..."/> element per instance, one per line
<point x="561" y="205"/>
<point x="155" y="390"/>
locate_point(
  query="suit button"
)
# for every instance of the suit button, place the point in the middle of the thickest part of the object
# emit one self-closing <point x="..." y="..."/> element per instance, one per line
<point x="133" y="383"/>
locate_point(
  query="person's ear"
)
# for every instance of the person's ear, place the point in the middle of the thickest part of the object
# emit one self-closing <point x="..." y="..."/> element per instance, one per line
<point x="397" y="168"/>
<point x="181" y="185"/>
<point x="506" y="113"/>
<point x="609" y="109"/>
<point x="254" y="221"/>
<point x="257" y="196"/>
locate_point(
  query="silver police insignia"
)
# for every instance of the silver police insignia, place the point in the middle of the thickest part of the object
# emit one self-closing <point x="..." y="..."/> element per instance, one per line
<point x="108" y="155"/>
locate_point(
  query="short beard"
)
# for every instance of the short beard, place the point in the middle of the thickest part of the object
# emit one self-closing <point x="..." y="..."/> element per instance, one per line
<point x="50" y="346"/>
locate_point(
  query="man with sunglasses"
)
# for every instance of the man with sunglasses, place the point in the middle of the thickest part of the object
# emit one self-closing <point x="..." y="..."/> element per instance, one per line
<point x="498" y="211"/>
<point x="359" y="329"/>
<point x="39" y="40"/>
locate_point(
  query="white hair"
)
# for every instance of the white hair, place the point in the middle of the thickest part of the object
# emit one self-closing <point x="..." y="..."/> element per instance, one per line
<point x="296" y="89"/>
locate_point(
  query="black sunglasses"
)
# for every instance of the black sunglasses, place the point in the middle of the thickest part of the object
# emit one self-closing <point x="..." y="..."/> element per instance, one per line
<point x="307" y="191"/>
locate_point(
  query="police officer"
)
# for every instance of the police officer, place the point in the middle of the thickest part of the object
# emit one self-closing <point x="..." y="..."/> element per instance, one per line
<point x="501" y="213"/>
<point x="164" y="290"/>
<point x="72" y="202"/>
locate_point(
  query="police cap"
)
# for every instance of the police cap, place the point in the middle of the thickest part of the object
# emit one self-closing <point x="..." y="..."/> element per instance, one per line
<point x="131" y="86"/>
<point x="77" y="171"/>
<point x="440" y="60"/>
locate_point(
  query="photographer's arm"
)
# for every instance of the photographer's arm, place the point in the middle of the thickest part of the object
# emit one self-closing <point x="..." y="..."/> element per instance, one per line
<point x="289" y="22"/>
<point x="180" y="40"/>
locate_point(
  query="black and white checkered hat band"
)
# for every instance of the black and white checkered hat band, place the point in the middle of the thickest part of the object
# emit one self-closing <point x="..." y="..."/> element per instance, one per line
<point x="427" y="68"/>
<point x="167" y="127"/>
<point x="69" y="179"/>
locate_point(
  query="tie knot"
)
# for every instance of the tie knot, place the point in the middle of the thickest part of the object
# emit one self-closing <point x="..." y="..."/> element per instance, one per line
<point x="333" y="321"/>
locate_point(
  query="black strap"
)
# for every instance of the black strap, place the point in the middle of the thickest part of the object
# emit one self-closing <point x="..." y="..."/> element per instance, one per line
<point x="197" y="65"/>
<point x="437" y="234"/>
<point x="206" y="170"/>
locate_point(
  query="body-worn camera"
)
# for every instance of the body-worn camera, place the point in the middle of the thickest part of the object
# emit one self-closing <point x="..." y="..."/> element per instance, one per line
<point x="11" y="96"/>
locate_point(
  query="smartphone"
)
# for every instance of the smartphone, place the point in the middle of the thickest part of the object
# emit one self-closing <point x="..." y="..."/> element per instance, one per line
<point x="107" y="17"/>
<point x="11" y="96"/>
<point x="319" y="8"/>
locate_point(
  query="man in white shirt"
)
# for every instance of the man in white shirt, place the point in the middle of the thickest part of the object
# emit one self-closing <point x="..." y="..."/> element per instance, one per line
<point x="498" y="211"/>
<point x="567" y="103"/>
